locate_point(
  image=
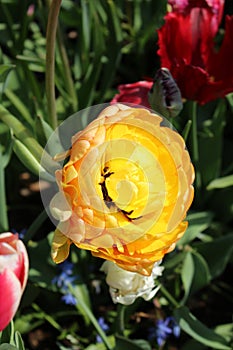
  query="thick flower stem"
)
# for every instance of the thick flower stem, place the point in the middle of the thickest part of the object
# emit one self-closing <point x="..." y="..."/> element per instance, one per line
<point x="4" y="226"/>
<point x="195" y="147"/>
<point x="50" y="61"/>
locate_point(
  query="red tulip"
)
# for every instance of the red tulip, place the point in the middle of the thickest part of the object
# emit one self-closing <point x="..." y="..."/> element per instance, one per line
<point x="136" y="93"/>
<point x="13" y="275"/>
<point x="186" y="48"/>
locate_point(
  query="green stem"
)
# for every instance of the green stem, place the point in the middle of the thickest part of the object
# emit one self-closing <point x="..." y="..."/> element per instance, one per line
<point x="195" y="148"/>
<point x="91" y="317"/>
<point x="185" y="132"/>
<point x="37" y="223"/>
<point x="50" y="61"/>
<point x="4" y="225"/>
<point x="47" y="317"/>
<point x="168" y="296"/>
<point x="120" y="320"/>
<point x="67" y="72"/>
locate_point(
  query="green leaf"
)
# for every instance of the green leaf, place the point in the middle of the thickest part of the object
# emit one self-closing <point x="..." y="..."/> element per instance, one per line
<point x="7" y="335"/>
<point x="216" y="253"/>
<point x="212" y="139"/>
<point x="30" y="162"/>
<point x="4" y="225"/>
<point x="195" y="273"/>
<point x="82" y="296"/>
<point x="19" y="105"/>
<point x="27" y="138"/>
<point x="6" y="155"/>
<point x="197" y="330"/>
<point x="225" y="330"/>
<point x="5" y="70"/>
<point x="19" y="341"/>
<point x="48" y="137"/>
<point x="100" y="346"/>
<point x="192" y="344"/>
<point x="202" y="274"/>
<point x="43" y="130"/>
<point x="221" y="182"/>
<point x="7" y="347"/>
<point x="198" y="222"/>
<point x="125" y="343"/>
<point x="41" y="270"/>
<point x="187" y="274"/>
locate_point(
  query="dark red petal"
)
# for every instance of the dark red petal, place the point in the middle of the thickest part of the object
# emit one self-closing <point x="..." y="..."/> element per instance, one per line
<point x="198" y="85"/>
<point x="175" y="40"/>
<point x="190" y="80"/>
<point x="136" y="93"/>
<point x="220" y="64"/>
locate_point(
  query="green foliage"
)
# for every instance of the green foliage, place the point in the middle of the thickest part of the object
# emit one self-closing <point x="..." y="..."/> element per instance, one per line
<point x="99" y="45"/>
<point x="11" y="339"/>
<point x="139" y="344"/>
<point x="198" y="330"/>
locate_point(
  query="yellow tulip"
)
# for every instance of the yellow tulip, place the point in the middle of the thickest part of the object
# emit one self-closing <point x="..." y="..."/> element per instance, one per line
<point x="125" y="190"/>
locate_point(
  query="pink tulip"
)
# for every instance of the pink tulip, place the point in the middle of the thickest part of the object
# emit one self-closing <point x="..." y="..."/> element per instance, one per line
<point x="13" y="275"/>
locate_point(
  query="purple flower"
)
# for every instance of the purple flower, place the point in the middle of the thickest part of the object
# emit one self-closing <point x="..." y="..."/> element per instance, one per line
<point x="63" y="280"/>
<point x="69" y="299"/>
<point x="104" y="326"/>
<point x="65" y="277"/>
<point x="163" y="329"/>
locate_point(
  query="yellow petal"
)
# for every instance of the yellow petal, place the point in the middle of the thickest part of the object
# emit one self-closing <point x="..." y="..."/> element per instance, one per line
<point x="60" y="247"/>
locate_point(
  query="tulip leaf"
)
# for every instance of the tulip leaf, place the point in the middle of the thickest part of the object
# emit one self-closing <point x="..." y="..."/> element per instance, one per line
<point x="4" y="70"/>
<point x="195" y="273"/>
<point x="198" y="222"/>
<point x="19" y="106"/>
<point x="6" y="154"/>
<point x="216" y="253"/>
<point x="211" y="139"/>
<point x="197" y="330"/>
<point x="27" y="138"/>
<point x="187" y="274"/>
<point x="192" y="344"/>
<point x="221" y="182"/>
<point x="43" y="130"/>
<point x="48" y="137"/>
<point x="129" y="344"/>
<point x="30" y="162"/>
<point x="7" y="347"/>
